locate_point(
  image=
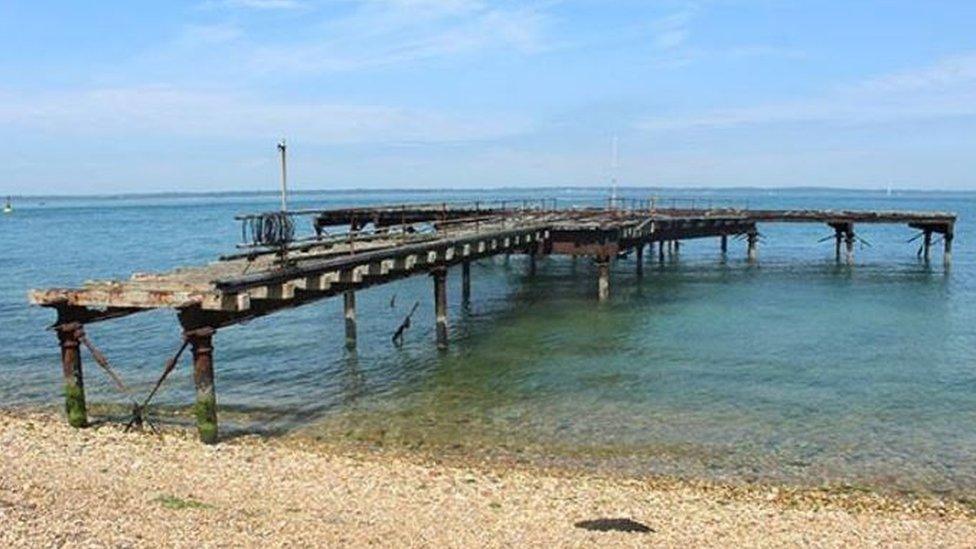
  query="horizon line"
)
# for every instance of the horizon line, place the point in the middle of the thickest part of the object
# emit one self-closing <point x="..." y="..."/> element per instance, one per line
<point x="431" y="190"/>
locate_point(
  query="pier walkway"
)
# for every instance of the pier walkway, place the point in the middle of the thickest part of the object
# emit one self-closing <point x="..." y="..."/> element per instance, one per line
<point x="354" y="248"/>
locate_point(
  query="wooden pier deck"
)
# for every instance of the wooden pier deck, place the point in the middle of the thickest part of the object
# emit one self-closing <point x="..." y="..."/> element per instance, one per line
<point x="355" y="248"/>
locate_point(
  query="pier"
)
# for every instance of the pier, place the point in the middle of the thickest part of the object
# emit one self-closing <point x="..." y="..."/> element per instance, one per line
<point x="350" y="249"/>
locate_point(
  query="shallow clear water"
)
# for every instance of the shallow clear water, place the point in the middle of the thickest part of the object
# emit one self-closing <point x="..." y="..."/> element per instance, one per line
<point x="796" y="369"/>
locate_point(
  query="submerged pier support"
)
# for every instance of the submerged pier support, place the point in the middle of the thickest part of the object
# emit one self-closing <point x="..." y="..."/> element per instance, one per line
<point x="349" y="313"/>
<point x="660" y="254"/>
<point x="603" y="278"/>
<point x="725" y="244"/>
<point x="838" y="238"/>
<point x="752" y="241"/>
<point x="639" y="251"/>
<point x="74" y="384"/>
<point x="849" y="244"/>
<point x="466" y="283"/>
<point x="205" y="410"/>
<point x="927" y="246"/>
<point x="440" y="305"/>
<point x="947" y="249"/>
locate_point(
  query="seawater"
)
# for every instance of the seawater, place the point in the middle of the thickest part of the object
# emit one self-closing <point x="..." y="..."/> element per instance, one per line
<point x="795" y="369"/>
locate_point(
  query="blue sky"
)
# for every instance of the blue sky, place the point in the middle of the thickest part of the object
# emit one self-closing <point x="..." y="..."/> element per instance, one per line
<point x="121" y="96"/>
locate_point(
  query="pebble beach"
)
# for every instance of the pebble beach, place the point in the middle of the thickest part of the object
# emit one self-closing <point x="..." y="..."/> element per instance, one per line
<point x="101" y="486"/>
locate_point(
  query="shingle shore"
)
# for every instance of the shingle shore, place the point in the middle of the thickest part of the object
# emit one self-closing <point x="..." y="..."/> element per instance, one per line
<point x="100" y="486"/>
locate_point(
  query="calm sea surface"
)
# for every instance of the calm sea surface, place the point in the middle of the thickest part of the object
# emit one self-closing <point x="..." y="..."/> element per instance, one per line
<point x="796" y="369"/>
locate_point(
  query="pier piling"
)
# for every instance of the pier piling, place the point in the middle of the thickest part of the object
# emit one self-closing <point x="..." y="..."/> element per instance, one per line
<point x="74" y="384"/>
<point x="752" y="240"/>
<point x="660" y="253"/>
<point x="947" y="249"/>
<point x="639" y="254"/>
<point x="849" y="242"/>
<point x="927" y="245"/>
<point x="838" y="238"/>
<point x="466" y="283"/>
<point x="603" y="274"/>
<point x="440" y="305"/>
<point x="201" y="344"/>
<point x="349" y="313"/>
<point x="725" y="244"/>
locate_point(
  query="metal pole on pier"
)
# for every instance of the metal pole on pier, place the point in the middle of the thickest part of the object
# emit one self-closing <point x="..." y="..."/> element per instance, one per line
<point x="282" y="148"/>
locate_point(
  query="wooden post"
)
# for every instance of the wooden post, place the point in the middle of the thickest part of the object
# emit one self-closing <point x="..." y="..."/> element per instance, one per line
<point x="205" y="410"/>
<point x="849" y="241"/>
<point x="640" y="259"/>
<point x="927" y="245"/>
<point x="466" y="283"/>
<point x="752" y="239"/>
<point x="349" y="310"/>
<point x="947" y="250"/>
<point x="440" y="305"/>
<point x="603" y="283"/>
<point x="725" y="244"/>
<point x="74" y="385"/>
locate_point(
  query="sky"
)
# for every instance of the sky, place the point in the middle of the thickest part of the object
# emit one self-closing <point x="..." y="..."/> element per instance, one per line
<point x="127" y="97"/>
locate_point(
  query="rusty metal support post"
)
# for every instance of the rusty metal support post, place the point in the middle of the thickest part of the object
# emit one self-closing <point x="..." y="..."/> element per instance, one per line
<point x="947" y="250"/>
<point x="752" y="240"/>
<point x="349" y="313"/>
<point x="640" y="259"/>
<point x="466" y="283"/>
<point x="205" y="410"/>
<point x="440" y="305"/>
<point x="838" y="237"/>
<point x="725" y="244"/>
<point x="927" y="246"/>
<point x="849" y="243"/>
<point x="74" y="384"/>
<point x="603" y="282"/>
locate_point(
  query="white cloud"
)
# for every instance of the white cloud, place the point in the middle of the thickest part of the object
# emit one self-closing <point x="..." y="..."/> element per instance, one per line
<point x="168" y="111"/>
<point x="203" y="35"/>
<point x="944" y="89"/>
<point x="389" y="32"/>
<point x="255" y="4"/>
<point x="672" y="31"/>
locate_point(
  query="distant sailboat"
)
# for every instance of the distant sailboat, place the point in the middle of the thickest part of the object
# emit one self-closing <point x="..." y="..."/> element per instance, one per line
<point x="8" y="207"/>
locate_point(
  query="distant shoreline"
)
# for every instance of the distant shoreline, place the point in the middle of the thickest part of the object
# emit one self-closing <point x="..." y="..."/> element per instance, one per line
<point x="513" y="189"/>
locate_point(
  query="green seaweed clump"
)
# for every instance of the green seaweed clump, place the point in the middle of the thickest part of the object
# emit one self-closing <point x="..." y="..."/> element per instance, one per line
<point x="173" y="502"/>
<point x="206" y="414"/>
<point x="74" y="405"/>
